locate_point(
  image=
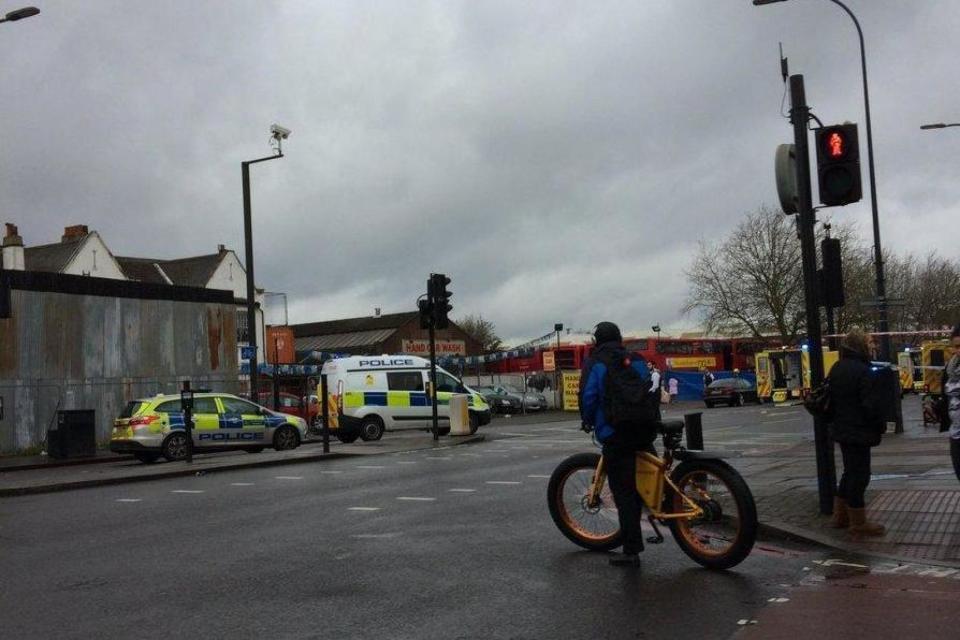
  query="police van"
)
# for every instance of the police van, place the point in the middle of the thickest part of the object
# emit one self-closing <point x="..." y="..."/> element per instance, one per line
<point x="372" y="394"/>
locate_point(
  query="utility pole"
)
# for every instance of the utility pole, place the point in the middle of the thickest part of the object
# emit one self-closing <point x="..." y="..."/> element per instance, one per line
<point x="799" y="118"/>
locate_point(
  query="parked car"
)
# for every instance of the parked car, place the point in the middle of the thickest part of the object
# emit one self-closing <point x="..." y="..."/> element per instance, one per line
<point x="500" y="400"/>
<point x="730" y="391"/>
<point x="307" y="408"/>
<point x="152" y="427"/>
<point x="532" y="400"/>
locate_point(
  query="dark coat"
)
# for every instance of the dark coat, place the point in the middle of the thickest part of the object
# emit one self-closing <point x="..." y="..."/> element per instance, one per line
<point x="855" y="416"/>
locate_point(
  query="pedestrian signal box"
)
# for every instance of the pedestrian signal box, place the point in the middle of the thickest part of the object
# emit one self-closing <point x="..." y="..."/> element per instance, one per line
<point x="838" y="165"/>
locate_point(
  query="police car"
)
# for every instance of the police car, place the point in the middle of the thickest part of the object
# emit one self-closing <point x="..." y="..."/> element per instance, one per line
<point x="373" y="394"/>
<point x="152" y="427"/>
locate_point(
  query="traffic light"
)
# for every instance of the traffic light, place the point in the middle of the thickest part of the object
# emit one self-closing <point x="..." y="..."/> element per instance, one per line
<point x="832" y="283"/>
<point x="425" y="315"/>
<point x="440" y="297"/>
<point x="838" y="165"/>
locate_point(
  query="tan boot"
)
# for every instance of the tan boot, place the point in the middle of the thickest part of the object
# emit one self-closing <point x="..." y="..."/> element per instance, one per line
<point x="841" y="518"/>
<point x="860" y="527"/>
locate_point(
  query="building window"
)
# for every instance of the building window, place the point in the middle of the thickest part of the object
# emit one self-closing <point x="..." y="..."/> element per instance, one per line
<point x="243" y="335"/>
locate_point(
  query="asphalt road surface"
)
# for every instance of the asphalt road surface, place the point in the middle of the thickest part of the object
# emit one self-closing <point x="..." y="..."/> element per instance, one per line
<point x="431" y="544"/>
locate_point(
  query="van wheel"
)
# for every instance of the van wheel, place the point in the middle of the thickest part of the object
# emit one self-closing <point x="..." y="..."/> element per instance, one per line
<point x="371" y="428"/>
<point x="347" y="438"/>
<point x="175" y="446"/>
<point x="474" y="423"/>
<point x="286" y="438"/>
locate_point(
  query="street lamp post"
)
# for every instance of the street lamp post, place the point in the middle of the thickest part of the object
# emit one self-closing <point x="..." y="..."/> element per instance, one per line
<point x="19" y="14"/>
<point x="558" y="327"/>
<point x="882" y="324"/>
<point x="277" y="134"/>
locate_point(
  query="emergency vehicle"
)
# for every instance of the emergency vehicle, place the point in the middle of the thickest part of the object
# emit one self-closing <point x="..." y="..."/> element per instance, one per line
<point x="372" y="394"/>
<point x="933" y="357"/>
<point x="911" y="370"/>
<point x="784" y="374"/>
<point x="152" y="427"/>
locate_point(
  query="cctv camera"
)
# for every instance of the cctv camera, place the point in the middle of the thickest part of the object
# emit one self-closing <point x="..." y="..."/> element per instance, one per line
<point x="280" y="133"/>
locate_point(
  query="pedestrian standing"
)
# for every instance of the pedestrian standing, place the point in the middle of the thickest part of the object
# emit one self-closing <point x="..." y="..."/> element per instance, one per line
<point x="856" y="424"/>
<point x="610" y="370"/>
<point x="707" y="378"/>
<point x="949" y="409"/>
<point x="674" y="386"/>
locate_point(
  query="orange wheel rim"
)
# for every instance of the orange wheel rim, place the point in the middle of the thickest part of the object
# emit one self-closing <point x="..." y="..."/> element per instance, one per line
<point x="595" y="524"/>
<point x="717" y="532"/>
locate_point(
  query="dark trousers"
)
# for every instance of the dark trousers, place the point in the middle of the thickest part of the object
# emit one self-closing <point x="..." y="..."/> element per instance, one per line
<point x="621" y="464"/>
<point x="955" y="455"/>
<point x="856" y="473"/>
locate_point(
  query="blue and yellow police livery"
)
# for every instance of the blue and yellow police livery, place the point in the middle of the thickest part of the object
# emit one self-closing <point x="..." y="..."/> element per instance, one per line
<point x="154" y="427"/>
<point x="372" y="394"/>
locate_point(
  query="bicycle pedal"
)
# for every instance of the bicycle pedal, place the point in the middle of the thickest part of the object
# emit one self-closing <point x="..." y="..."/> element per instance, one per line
<point x="655" y="539"/>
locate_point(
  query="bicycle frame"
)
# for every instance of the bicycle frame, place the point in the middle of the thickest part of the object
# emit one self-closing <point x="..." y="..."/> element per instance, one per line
<point x="651" y="478"/>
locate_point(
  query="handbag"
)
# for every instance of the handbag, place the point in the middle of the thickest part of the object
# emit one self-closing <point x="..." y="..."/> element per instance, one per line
<point x="818" y="401"/>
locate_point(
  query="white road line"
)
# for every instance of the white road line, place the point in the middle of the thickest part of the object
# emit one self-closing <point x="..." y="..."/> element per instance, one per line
<point x="331" y="472"/>
<point x="519" y="435"/>
<point x="502" y="482"/>
<point x="406" y="462"/>
<point x="364" y="509"/>
<point x="365" y="536"/>
<point x="498" y="450"/>
<point x="288" y="477"/>
<point x="187" y="491"/>
<point x="129" y="499"/>
<point x="241" y="484"/>
<point x="438" y="457"/>
<point x="416" y="498"/>
<point x="537" y="476"/>
<point x="462" y="490"/>
<point x="369" y="466"/>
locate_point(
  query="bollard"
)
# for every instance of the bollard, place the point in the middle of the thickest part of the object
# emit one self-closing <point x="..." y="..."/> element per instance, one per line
<point x="693" y="427"/>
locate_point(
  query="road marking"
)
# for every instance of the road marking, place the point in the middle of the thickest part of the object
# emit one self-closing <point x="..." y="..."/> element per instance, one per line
<point x="502" y="482"/>
<point x="416" y="498"/>
<point x="438" y="457"/>
<point x="365" y="536"/>
<point x="471" y="455"/>
<point x="129" y="499"/>
<point x="241" y="484"/>
<point x="778" y="600"/>
<point x="498" y="450"/>
<point x="288" y="477"/>
<point x="519" y="435"/>
<point x="462" y="490"/>
<point x="331" y="472"/>
<point x="187" y="491"/>
<point x="364" y="509"/>
<point x="368" y="466"/>
<point x="537" y="476"/>
<point x="406" y="462"/>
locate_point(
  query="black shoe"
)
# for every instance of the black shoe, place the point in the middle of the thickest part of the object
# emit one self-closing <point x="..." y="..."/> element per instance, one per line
<point x="625" y="560"/>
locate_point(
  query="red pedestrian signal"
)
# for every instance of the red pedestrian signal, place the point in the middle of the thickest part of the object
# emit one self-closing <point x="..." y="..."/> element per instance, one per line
<point x="838" y="165"/>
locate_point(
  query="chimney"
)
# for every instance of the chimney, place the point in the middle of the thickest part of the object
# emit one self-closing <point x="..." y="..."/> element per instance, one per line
<point x="376" y="312"/>
<point x="221" y="248"/>
<point x="12" y="250"/>
<point x="75" y="232"/>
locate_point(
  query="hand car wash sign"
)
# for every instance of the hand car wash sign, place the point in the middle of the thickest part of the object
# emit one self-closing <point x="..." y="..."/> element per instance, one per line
<point x="417" y="347"/>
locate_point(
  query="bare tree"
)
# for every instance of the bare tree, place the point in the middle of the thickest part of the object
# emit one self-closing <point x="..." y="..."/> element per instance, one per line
<point x="483" y="331"/>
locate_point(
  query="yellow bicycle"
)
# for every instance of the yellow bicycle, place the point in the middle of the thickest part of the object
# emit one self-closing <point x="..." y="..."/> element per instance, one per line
<point x="704" y="501"/>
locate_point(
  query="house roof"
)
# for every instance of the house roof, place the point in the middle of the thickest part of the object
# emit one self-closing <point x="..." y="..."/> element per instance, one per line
<point x="52" y="257"/>
<point x="355" y="341"/>
<point x="192" y="272"/>
<point x="142" y="269"/>
<point x="392" y="321"/>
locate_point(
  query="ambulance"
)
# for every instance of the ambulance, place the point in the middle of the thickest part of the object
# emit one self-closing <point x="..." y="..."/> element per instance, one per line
<point x="784" y="374"/>
<point x="368" y="395"/>
<point x="933" y="357"/>
<point x="911" y="371"/>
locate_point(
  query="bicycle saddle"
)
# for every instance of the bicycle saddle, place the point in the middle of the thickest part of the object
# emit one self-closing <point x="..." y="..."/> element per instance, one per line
<point x="671" y="427"/>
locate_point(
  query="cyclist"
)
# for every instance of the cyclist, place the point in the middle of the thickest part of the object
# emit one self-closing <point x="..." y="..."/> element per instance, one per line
<point x="620" y="445"/>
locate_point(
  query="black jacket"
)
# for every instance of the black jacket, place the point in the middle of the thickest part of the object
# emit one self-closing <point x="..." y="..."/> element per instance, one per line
<point x="855" y="416"/>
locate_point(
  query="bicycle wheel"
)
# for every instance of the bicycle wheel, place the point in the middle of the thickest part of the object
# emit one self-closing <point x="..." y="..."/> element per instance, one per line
<point x="724" y="535"/>
<point x="593" y="527"/>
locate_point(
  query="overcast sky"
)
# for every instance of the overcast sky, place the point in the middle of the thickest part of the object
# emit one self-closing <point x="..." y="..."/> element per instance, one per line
<point x="559" y="160"/>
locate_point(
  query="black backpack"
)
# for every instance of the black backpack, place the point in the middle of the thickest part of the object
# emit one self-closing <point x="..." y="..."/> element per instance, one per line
<point x="627" y="400"/>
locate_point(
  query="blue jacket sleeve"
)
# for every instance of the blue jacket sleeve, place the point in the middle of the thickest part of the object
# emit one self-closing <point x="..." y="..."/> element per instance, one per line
<point x="592" y="392"/>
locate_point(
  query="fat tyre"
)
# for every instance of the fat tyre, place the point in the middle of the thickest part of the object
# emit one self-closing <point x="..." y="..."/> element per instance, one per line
<point x="175" y="446"/>
<point x="747" y="535"/>
<point x="285" y="439"/>
<point x="371" y="429"/>
<point x="559" y="477"/>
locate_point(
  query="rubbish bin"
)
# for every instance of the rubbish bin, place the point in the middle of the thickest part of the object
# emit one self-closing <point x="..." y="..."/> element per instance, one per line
<point x="75" y="435"/>
<point x="887" y="379"/>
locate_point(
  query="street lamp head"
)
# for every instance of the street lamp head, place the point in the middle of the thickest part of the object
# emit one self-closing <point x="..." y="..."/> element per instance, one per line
<point x="655" y="328"/>
<point x="762" y="2"/>
<point x="20" y="14"/>
<point x="279" y="133"/>
<point x="938" y="125"/>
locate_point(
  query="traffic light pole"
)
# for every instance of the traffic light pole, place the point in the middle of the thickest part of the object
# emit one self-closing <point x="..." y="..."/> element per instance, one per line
<point x="799" y="118"/>
<point x="435" y="427"/>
